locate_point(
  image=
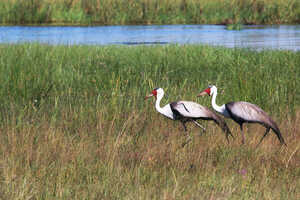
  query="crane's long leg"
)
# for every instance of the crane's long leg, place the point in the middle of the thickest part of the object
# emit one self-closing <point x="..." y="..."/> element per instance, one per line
<point x="187" y="141"/>
<point x="188" y="136"/>
<point x="267" y="131"/>
<point x="243" y="137"/>
<point x="199" y="125"/>
<point x="184" y="126"/>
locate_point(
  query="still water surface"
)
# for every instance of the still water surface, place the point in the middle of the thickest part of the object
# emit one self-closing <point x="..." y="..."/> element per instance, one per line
<point x="256" y="37"/>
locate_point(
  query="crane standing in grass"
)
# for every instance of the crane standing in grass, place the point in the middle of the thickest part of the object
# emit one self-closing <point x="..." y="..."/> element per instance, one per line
<point x="242" y="112"/>
<point x="186" y="111"/>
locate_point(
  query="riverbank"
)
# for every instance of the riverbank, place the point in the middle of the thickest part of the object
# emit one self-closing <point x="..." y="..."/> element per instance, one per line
<point x="118" y="12"/>
<point x="74" y="123"/>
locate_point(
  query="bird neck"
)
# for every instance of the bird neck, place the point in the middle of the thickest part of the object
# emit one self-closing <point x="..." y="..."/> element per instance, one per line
<point x="219" y="109"/>
<point x="166" y="110"/>
<point x="157" y="104"/>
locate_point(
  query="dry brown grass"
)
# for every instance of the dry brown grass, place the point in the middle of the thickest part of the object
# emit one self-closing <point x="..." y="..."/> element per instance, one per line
<point x="48" y="160"/>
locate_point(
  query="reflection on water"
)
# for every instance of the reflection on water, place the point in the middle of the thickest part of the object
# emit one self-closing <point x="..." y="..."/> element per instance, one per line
<point x="257" y="37"/>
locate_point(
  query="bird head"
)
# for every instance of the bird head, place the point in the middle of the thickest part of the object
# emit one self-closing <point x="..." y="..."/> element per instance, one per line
<point x="210" y="91"/>
<point x="155" y="92"/>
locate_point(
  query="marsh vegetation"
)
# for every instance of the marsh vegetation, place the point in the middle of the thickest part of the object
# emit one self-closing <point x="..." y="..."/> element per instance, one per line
<point x="74" y="123"/>
<point x="81" y="12"/>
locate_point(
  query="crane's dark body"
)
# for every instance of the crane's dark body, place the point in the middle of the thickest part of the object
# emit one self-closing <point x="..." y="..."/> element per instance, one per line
<point x="182" y="112"/>
<point x="244" y="112"/>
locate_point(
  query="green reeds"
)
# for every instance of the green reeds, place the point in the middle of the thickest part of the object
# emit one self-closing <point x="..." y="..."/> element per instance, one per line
<point x="74" y="123"/>
<point x="236" y="27"/>
<point x="81" y="12"/>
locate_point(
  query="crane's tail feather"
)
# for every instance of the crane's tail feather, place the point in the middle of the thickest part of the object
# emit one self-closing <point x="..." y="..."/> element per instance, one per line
<point x="279" y="136"/>
<point x="222" y="124"/>
<point x="272" y="124"/>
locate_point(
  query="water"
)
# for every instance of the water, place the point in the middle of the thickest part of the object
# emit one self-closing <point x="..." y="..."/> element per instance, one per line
<point x="256" y="37"/>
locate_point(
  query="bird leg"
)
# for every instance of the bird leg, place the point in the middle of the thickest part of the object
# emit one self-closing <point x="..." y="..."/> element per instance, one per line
<point x="199" y="125"/>
<point x="243" y="137"/>
<point x="187" y="141"/>
<point x="267" y="131"/>
<point x="184" y="126"/>
<point x="227" y="137"/>
<point x="188" y="136"/>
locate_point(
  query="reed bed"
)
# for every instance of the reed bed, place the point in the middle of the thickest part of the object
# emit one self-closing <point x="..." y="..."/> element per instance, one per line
<point x="74" y="123"/>
<point x="81" y="12"/>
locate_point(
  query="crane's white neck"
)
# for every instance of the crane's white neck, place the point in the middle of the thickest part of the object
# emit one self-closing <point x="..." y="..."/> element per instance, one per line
<point x="157" y="103"/>
<point x="166" y="110"/>
<point x="219" y="109"/>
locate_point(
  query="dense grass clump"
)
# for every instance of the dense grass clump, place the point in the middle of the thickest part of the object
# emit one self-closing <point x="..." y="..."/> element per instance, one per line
<point x="149" y="12"/>
<point x="74" y="124"/>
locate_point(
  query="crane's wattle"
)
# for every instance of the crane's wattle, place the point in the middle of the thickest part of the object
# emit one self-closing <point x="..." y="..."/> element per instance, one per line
<point x="207" y="91"/>
<point x="154" y="92"/>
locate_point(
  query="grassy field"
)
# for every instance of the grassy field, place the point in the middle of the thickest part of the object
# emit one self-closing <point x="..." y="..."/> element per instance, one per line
<point x="82" y="12"/>
<point x="74" y="123"/>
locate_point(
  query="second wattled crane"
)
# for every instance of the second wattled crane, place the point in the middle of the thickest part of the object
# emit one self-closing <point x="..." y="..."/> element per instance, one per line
<point x="244" y="112"/>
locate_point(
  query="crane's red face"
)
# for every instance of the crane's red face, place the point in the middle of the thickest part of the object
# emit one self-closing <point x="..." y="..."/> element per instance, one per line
<point x="204" y="92"/>
<point x="153" y="93"/>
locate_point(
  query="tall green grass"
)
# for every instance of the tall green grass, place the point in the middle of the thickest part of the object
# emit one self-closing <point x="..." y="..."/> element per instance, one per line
<point x="74" y="123"/>
<point x="83" y="12"/>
